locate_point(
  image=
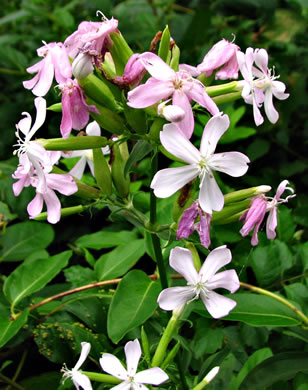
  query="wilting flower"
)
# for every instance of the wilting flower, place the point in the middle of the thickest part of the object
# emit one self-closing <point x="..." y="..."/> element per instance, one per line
<point x="222" y="55"/>
<point x="187" y="224"/>
<point x="130" y="377"/>
<point x="86" y="155"/>
<point x="260" y="84"/>
<point x="74" y="374"/>
<point x="201" y="284"/>
<point x="165" y="82"/>
<point x="200" y="163"/>
<point x="134" y="72"/>
<point x="259" y="206"/>
<point x="75" y="110"/>
<point x="55" y="63"/>
<point x="64" y="184"/>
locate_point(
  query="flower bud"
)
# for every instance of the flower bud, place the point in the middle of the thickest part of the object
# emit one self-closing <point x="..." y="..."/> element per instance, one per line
<point x="82" y="66"/>
<point x="171" y="113"/>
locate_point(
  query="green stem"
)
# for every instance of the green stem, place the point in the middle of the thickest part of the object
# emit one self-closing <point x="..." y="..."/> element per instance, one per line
<point x="278" y="298"/>
<point x="104" y="378"/>
<point x="166" y="337"/>
<point x="221" y="89"/>
<point x="11" y="382"/>
<point x="179" y="363"/>
<point x="20" y="365"/>
<point x="154" y="237"/>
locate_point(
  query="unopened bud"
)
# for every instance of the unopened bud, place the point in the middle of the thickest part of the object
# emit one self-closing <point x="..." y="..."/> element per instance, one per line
<point x="205" y="381"/>
<point x="82" y="66"/>
<point x="171" y="113"/>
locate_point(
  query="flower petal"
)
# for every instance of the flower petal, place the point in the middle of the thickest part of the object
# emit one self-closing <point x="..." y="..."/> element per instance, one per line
<point x="40" y="104"/>
<point x="181" y="261"/>
<point x="112" y="365"/>
<point x="178" y="144"/>
<point x="173" y="297"/>
<point x="216" y="259"/>
<point x="210" y="196"/>
<point x="53" y="206"/>
<point x="93" y="128"/>
<point x="152" y="376"/>
<point x="82" y="380"/>
<point x="217" y="305"/>
<point x="261" y="59"/>
<point x="85" y="350"/>
<point x="157" y="67"/>
<point x="231" y="163"/>
<point x="271" y="223"/>
<point x="226" y="279"/>
<point x="213" y="131"/>
<point x="151" y="92"/>
<point x="62" y="183"/>
<point x="78" y="169"/>
<point x="269" y="108"/>
<point x="133" y="354"/>
<point x="45" y="77"/>
<point x="168" y="181"/>
<point x="197" y="93"/>
<point x="187" y="124"/>
<point x="35" y="206"/>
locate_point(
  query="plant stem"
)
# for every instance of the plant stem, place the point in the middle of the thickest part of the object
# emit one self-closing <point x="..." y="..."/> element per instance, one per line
<point x="11" y="382"/>
<point x="20" y="365"/>
<point x="179" y="363"/>
<point x="101" y="377"/>
<point x="278" y="298"/>
<point x="154" y="237"/>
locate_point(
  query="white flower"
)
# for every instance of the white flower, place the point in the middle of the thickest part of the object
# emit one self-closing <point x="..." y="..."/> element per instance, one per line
<point x="203" y="283"/>
<point x="76" y="376"/>
<point x="131" y="379"/>
<point x="201" y="163"/>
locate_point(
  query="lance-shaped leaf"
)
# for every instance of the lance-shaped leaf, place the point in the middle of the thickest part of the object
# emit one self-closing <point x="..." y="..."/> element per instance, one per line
<point x="9" y="327"/>
<point x="135" y="300"/>
<point x="139" y="151"/>
<point x="33" y="275"/>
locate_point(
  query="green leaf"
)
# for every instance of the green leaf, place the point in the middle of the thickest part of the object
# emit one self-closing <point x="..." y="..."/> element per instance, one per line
<point x="5" y="213"/>
<point x="257" y="149"/>
<point x="46" y="381"/>
<point x="134" y="301"/>
<point x="256" y="310"/>
<point x="33" y="275"/>
<point x="117" y="262"/>
<point x="105" y="239"/>
<point x="280" y="367"/>
<point x="253" y="360"/>
<point x="140" y="150"/>
<point x="286" y="225"/>
<point x="10" y="328"/>
<point x="269" y="262"/>
<point x="298" y="292"/>
<point x="22" y="239"/>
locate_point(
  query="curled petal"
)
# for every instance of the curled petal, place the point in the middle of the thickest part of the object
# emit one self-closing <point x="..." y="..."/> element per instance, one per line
<point x="173" y="297"/>
<point x="85" y="350"/>
<point x="271" y="223"/>
<point x="181" y="261"/>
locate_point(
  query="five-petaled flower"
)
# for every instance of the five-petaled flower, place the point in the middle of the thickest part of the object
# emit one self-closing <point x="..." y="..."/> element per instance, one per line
<point x="131" y="378"/>
<point x="200" y="163"/>
<point x="76" y="376"/>
<point x="201" y="284"/>
<point x="260" y="205"/>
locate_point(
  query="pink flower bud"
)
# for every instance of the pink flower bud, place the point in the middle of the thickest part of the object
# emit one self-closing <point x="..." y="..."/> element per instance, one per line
<point x="82" y="66"/>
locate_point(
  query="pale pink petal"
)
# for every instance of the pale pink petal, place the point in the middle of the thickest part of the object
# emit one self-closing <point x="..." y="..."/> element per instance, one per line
<point x="269" y="108"/>
<point x="278" y="89"/>
<point x="178" y="145"/>
<point x="157" y="67"/>
<point x="216" y="259"/>
<point x="35" y="207"/>
<point x="24" y="124"/>
<point x="261" y="59"/>
<point x="82" y="380"/>
<point x="173" y="297"/>
<point x="152" y="376"/>
<point x="271" y="223"/>
<point x="219" y="54"/>
<point x="78" y="170"/>
<point x="229" y="70"/>
<point x="40" y="104"/>
<point x="85" y="350"/>
<point x="210" y="195"/>
<point x="231" y="163"/>
<point x="281" y="188"/>
<point x="226" y="279"/>
<point x="53" y="206"/>
<point x="181" y="261"/>
<point x="213" y="131"/>
<point x="127" y="385"/>
<point x="62" y="183"/>
<point x="66" y="122"/>
<point x="61" y="62"/>
<point x="133" y="354"/>
<point x="45" y="78"/>
<point x="79" y="111"/>
<point x="151" y="92"/>
<point x="217" y="305"/>
<point x="187" y="124"/>
<point x="167" y="181"/>
<point x="29" y="84"/>
<point x="197" y="93"/>
<point x="258" y="118"/>
<point x="192" y="70"/>
<point x="112" y="365"/>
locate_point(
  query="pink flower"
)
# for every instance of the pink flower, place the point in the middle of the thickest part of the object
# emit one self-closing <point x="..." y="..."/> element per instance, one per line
<point x="134" y="72"/>
<point x="165" y="82"/>
<point x="91" y="37"/>
<point x="131" y="379"/>
<point x="55" y="63"/>
<point x="187" y="224"/>
<point x="201" y="284"/>
<point x="64" y="184"/>
<point x="200" y="163"/>
<point x="75" y="110"/>
<point x="260" y="84"/>
<point x="222" y="55"/>
<point x="259" y="206"/>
